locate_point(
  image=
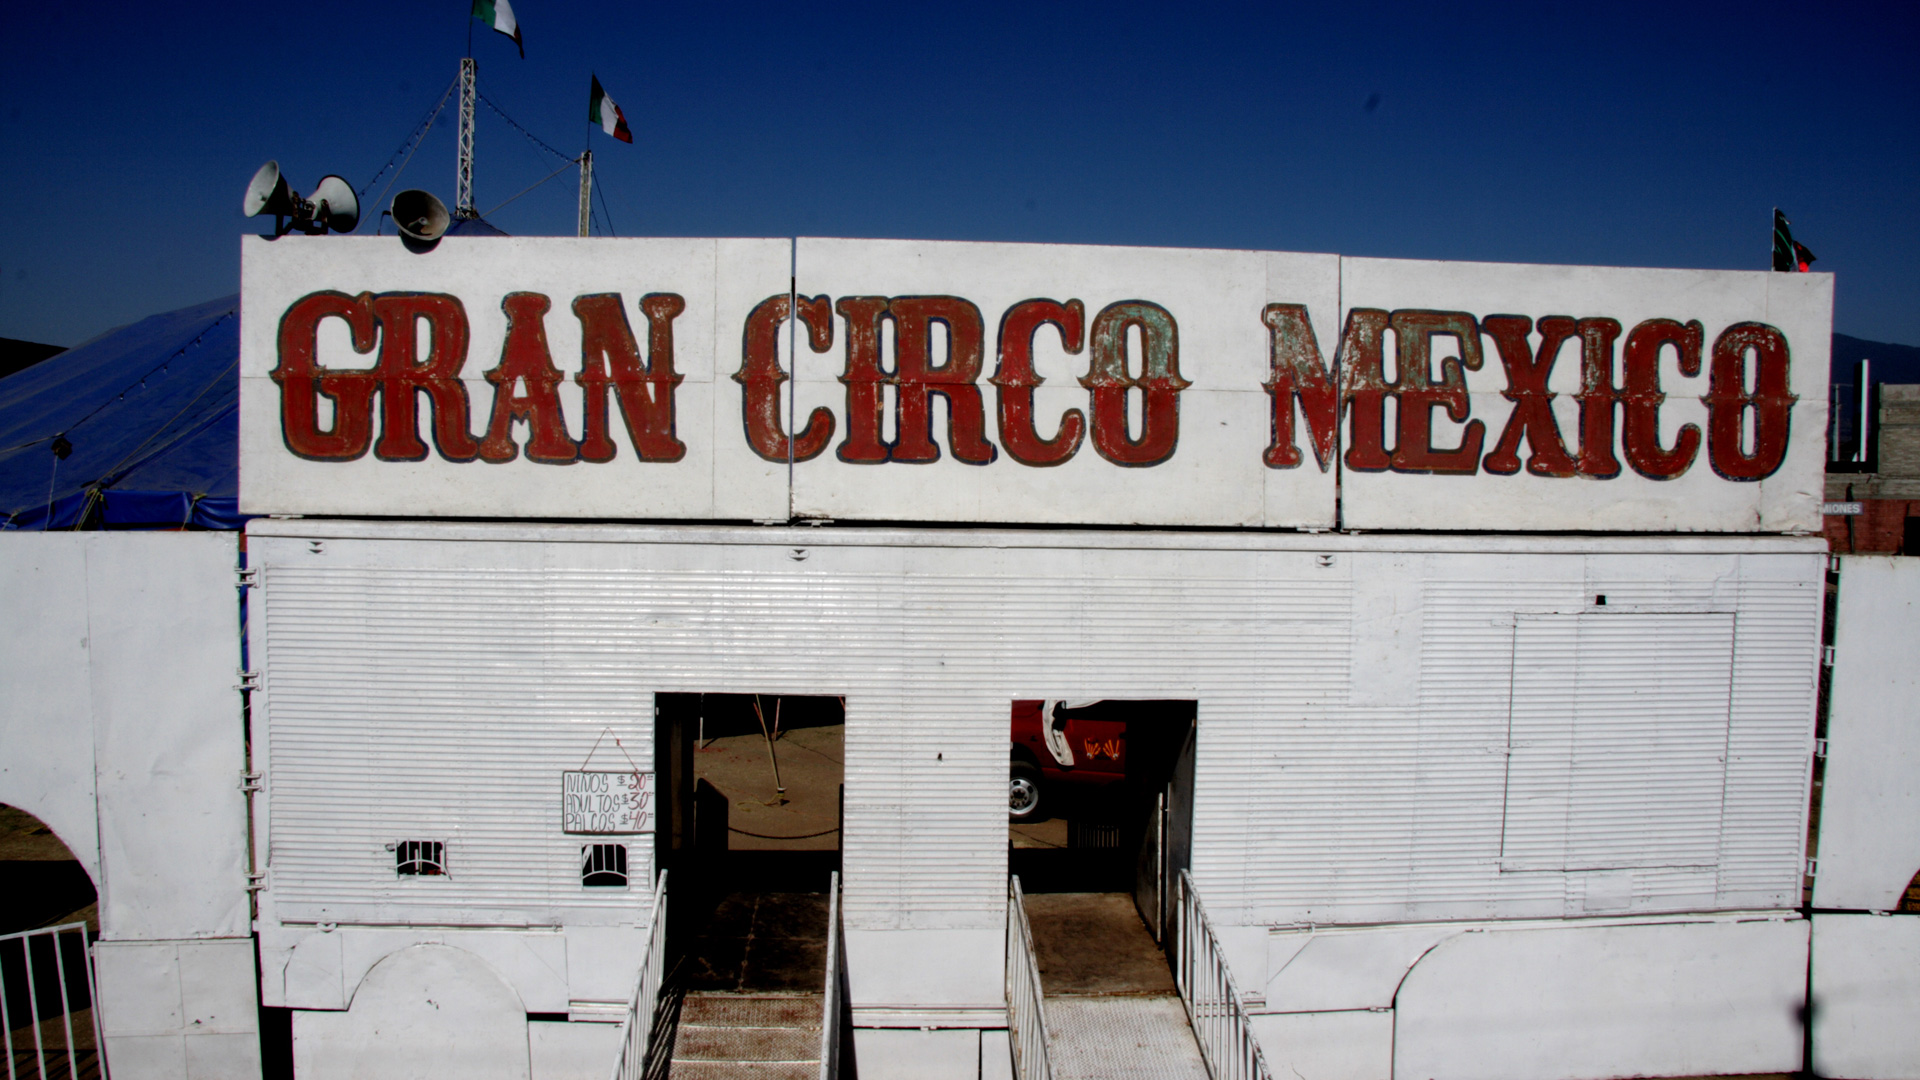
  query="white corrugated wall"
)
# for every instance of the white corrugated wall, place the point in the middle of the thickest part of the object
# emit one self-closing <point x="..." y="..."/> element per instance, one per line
<point x="1354" y="693"/>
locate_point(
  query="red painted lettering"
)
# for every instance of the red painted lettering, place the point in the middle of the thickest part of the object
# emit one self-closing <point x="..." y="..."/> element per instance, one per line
<point x="526" y="361"/>
<point x="1364" y="388"/>
<point x="1420" y="393"/>
<point x="917" y="379"/>
<point x="864" y="380"/>
<point x="760" y="377"/>
<point x="1597" y="397"/>
<point x="1296" y="370"/>
<point x="1728" y="400"/>
<point x="1159" y="380"/>
<point x="303" y="381"/>
<point x="1532" y="417"/>
<point x="403" y="376"/>
<point x="1015" y="377"/>
<point x="1640" y="398"/>
<point x="609" y="357"/>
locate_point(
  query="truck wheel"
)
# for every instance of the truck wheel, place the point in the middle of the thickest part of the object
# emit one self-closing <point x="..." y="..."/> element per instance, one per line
<point x="1023" y="793"/>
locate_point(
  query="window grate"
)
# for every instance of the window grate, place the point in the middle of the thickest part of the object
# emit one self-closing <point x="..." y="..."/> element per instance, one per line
<point x="420" y="858"/>
<point x="603" y="866"/>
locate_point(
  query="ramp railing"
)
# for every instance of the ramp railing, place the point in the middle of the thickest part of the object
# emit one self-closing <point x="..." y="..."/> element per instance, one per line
<point x="1213" y="1003"/>
<point x="836" y="1011"/>
<point x="1026" y="1014"/>
<point x="45" y="977"/>
<point x="636" y="1031"/>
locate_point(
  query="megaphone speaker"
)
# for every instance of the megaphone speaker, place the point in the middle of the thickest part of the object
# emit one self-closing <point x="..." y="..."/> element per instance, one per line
<point x="420" y="216"/>
<point x="268" y="193"/>
<point x="335" y="204"/>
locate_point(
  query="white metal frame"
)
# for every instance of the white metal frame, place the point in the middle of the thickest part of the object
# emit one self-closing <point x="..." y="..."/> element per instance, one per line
<point x="1220" y="1024"/>
<point x="26" y="938"/>
<point x="834" y="1005"/>
<point x="636" y="1030"/>
<point x="1026" y="1011"/>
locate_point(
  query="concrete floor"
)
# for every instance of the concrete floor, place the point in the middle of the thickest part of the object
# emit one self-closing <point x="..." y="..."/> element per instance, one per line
<point x="1095" y="943"/>
<point x="755" y="942"/>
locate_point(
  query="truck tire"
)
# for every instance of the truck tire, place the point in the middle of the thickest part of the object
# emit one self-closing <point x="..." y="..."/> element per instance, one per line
<point x="1023" y="793"/>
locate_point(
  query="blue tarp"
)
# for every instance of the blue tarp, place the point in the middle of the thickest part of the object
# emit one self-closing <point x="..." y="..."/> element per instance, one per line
<point x="151" y="413"/>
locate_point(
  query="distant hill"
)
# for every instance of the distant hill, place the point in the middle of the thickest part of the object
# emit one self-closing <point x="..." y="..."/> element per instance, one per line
<point x="1889" y="363"/>
<point x="18" y="355"/>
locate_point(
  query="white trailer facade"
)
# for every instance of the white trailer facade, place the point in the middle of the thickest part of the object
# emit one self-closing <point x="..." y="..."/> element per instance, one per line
<point x="1516" y="786"/>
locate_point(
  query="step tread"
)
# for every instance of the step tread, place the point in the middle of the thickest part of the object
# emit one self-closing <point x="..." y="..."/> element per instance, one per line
<point x="745" y="1070"/>
<point x="751" y="1010"/>
<point x="743" y="1043"/>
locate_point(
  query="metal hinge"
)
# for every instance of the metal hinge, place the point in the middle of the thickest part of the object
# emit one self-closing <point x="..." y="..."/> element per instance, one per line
<point x="1833" y="564"/>
<point x="256" y="882"/>
<point x="1819" y="748"/>
<point x="1813" y="867"/>
<point x="249" y="680"/>
<point x="249" y="781"/>
<point x="247" y="577"/>
<point x="1826" y="656"/>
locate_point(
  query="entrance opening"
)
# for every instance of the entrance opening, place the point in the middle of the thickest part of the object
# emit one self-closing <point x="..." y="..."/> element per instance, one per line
<point x="1099" y="811"/>
<point x="45" y="979"/>
<point x="750" y="834"/>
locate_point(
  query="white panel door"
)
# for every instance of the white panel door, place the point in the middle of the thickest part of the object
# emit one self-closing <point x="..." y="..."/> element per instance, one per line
<point x="1618" y="742"/>
<point x="1869" y="849"/>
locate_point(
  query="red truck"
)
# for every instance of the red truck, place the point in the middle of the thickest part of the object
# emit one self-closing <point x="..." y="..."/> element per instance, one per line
<point x="1065" y="752"/>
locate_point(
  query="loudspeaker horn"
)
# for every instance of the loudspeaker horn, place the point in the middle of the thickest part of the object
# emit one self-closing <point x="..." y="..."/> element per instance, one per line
<point x="420" y="216"/>
<point x="335" y="204"/>
<point x="269" y="194"/>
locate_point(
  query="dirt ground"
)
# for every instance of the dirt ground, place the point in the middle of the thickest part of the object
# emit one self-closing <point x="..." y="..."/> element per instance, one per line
<point x="759" y="818"/>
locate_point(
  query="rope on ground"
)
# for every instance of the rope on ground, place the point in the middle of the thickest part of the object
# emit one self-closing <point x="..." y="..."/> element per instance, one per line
<point x="764" y="836"/>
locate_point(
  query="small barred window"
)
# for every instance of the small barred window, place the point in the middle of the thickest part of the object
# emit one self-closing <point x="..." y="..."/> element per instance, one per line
<point x="419" y="858"/>
<point x="603" y="866"/>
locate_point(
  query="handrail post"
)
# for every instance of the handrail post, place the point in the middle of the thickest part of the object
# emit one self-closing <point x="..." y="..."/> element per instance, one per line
<point x="636" y="1031"/>
<point x="1026" y="1009"/>
<point x="833" y="1003"/>
<point x="1220" y="1023"/>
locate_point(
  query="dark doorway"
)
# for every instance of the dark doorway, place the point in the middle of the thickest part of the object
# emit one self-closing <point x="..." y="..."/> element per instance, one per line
<point x="750" y="835"/>
<point x="1099" y="800"/>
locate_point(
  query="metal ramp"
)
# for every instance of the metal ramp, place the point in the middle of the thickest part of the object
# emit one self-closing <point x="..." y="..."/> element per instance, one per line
<point x="724" y="1036"/>
<point x="1111" y="1037"/>
<point x="1110" y="1007"/>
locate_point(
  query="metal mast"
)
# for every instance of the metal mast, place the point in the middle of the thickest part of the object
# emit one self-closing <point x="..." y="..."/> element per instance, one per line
<point x="463" y="184"/>
<point x="586" y="189"/>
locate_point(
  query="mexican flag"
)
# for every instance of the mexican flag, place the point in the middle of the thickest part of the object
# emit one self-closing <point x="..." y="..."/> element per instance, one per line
<point x="601" y="110"/>
<point x="499" y="15"/>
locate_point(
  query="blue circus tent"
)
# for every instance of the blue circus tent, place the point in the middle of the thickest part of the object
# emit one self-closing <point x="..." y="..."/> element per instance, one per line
<point x="137" y="428"/>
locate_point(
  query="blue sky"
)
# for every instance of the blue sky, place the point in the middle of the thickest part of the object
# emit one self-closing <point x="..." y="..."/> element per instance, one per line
<point x="1638" y="135"/>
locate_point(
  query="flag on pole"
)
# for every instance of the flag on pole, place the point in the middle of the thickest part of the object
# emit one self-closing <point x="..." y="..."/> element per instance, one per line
<point x="1789" y="255"/>
<point x="601" y="110"/>
<point x="499" y="15"/>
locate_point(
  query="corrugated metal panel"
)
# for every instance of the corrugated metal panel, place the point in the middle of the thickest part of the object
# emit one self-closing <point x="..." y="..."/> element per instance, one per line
<point x="1339" y="779"/>
<point x="1617" y="741"/>
<point x="441" y="704"/>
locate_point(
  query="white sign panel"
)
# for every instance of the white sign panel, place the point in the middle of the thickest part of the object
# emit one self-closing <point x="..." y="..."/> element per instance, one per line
<point x="1047" y="383"/>
<point x="606" y="803"/>
<point x="1499" y="396"/>
<point x="1024" y="383"/>
<point x="502" y="377"/>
